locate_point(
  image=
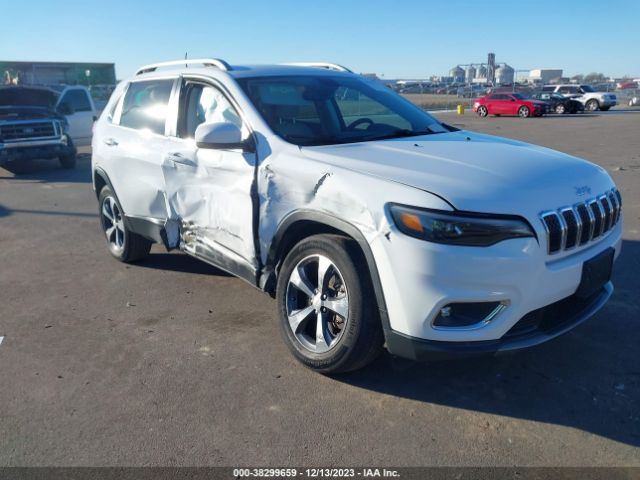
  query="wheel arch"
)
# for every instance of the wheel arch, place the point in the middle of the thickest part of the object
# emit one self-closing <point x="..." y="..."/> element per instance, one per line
<point x="101" y="180"/>
<point x="302" y="224"/>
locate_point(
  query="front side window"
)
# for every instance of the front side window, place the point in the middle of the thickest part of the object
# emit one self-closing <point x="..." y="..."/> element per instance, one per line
<point x="204" y="104"/>
<point x="146" y="104"/>
<point x="309" y="110"/>
<point x="77" y="99"/>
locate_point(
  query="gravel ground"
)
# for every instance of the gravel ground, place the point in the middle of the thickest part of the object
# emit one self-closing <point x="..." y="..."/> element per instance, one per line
<point x="172" y="362"/>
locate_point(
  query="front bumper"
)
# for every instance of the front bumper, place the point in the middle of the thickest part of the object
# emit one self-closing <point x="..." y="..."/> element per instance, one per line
<point x="16" y="152"/>
<point x="533" y="329"/>
<point x="419" y="278"/>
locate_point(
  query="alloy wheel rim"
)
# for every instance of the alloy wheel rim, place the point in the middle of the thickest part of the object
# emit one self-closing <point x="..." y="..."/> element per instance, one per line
<point x="317" y="303"/>
<point x="113" y="224"/>
<point x="524" y="112"/>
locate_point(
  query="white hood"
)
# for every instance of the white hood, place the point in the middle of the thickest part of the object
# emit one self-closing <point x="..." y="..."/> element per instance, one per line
<point x="474" y="172"/>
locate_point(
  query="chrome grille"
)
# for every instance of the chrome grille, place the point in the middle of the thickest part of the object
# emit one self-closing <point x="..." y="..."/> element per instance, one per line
<point x="574" y="226"/>
<point x="11" y="132"/>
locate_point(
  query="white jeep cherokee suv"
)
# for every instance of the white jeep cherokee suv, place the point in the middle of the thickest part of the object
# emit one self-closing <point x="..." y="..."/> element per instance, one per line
<point x="586" y="95"/>
<point x="371" y="222"/>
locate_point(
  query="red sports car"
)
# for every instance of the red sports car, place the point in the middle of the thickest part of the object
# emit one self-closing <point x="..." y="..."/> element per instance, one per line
<point x="509" y="104"/>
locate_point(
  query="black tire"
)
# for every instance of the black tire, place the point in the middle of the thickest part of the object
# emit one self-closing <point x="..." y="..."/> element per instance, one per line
<point x="524" y="112"/>
<point x="360" y="340"/>
<point x="560" y="109"/>
<point x="134" y="247"/>
<point x="482" y="111"/>
<point x="592" y="105"/>
<point x="605" y="109"/>
<point x="68" y="161"/>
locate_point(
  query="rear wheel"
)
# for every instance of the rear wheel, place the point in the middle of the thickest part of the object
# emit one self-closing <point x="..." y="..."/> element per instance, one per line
<point x="124" y="245"/>
<point x="482" y="111"/>
<point x="524" y="111"/>
<point x="328" y="316"/>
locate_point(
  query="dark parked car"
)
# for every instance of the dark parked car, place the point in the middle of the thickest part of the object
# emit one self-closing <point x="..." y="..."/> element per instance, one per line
<point x="559" y="103"/>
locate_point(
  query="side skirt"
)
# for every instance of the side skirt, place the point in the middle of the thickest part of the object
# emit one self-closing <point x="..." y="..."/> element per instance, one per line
<point x="216" y="255"/>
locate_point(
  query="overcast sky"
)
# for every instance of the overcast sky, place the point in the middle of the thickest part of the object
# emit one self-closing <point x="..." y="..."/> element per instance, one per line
<point x="398" y="39"/>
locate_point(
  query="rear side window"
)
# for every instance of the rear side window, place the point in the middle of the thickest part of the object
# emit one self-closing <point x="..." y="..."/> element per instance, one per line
<point x="77" y="99"/>
<point x="569" y="90"/>
<point x="146" y="104"/>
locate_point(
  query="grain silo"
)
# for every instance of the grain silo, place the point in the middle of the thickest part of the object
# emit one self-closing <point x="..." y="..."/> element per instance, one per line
<point x="457" y="73"/>
<point x="504" y="74"/>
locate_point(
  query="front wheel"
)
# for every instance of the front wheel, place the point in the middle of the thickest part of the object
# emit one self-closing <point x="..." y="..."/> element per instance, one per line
<point x="482" y="111"/>
<point x="68" y="161"/>
<point x="124" y="244"/>
<point x="524" y="111"/>
<point x="560" y="108"/>
<point x="328" y="315"/>
<point x="592" y="105"/>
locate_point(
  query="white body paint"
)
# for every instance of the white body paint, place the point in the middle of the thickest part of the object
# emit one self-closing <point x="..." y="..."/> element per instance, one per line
<point x="356" y="183"/>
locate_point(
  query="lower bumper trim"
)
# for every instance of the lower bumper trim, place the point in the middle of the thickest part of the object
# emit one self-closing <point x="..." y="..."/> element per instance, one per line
<point x="544" y="330"/>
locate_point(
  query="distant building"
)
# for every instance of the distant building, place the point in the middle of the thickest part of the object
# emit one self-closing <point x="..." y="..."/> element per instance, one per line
<point x="544" y="75"/>
<point x="57" y="73"/>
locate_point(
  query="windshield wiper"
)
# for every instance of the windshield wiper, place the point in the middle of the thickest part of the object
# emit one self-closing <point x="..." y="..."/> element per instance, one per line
<point x="399" y="134"/>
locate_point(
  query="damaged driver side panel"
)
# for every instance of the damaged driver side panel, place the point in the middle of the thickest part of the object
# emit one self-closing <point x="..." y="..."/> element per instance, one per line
<point x="209" y="196"/>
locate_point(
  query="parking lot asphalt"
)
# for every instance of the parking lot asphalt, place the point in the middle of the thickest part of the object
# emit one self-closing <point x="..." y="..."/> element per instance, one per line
<point x="172" y="362"/>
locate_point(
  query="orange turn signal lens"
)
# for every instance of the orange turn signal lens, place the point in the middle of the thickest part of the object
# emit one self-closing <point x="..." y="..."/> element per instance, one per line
<point x="412" y="222"/>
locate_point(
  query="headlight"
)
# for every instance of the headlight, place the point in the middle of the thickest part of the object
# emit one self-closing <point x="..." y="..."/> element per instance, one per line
<point x="458" y="229"/>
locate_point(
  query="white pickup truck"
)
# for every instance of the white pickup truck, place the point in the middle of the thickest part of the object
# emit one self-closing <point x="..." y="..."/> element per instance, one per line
<point x="585" y="94"/>
<point x="44" y="122"/>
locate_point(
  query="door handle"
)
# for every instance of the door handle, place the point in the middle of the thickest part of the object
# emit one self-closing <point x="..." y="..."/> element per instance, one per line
<point x="177" y="157"/>
<point x="110" y="142"/>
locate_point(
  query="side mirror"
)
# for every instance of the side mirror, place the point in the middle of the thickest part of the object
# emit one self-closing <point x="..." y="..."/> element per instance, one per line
<point x="65" y="109"/>
<point x="222" y="136"/>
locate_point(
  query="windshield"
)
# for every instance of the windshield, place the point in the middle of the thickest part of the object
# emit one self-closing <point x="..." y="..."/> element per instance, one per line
<point x="323" y="110"/>
<point x="27" y="97"/>
<point x="587" y="88"/>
